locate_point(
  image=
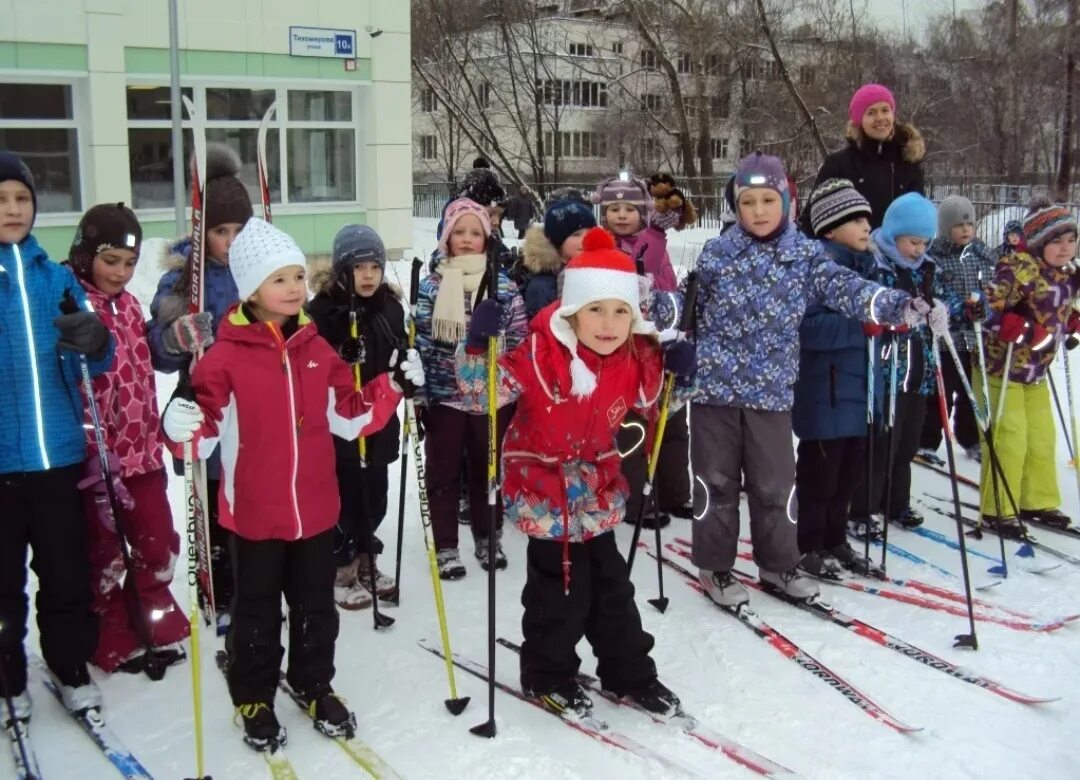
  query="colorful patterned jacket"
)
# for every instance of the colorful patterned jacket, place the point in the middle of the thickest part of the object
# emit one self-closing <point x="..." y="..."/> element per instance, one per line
<point x="959" y="268"/>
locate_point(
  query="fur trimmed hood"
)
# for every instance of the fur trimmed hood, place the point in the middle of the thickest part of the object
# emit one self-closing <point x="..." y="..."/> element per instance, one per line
<point x="538" y="254"/>
<point x="907" y="137"/>
<point x="321" y="280"/>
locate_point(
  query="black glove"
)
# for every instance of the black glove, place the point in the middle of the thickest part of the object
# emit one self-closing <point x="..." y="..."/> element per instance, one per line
<point x="352" y="351"/>
<point x="83" y="332"/>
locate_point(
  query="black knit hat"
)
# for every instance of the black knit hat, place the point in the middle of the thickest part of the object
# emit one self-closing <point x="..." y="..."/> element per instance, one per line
<point x="482" y="185"/>
<point x="227" y="199"/>
<point x="106" y="226"/>
<point x="12" y="167"/>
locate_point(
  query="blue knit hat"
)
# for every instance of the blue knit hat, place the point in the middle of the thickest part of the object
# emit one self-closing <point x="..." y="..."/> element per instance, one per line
<point x="565" y="217"/>
<point x="910" y="215"/>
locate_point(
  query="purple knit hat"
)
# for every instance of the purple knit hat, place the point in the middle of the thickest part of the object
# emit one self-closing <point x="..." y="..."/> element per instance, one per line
<point x="764" y="171"/>
<point x="455" y="211"/>
<point x="614" y="189"/>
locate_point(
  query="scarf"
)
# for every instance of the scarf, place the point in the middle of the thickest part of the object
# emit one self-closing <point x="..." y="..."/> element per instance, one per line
<point x="460" y="275"/>
<point x="888" y="248"/>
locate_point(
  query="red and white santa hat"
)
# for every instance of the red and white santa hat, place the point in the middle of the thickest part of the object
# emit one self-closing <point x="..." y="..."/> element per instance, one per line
<point x="600" y="272"/>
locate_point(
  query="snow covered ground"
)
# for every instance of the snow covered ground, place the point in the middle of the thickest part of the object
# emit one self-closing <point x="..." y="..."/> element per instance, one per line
<point x="725" y="675"/>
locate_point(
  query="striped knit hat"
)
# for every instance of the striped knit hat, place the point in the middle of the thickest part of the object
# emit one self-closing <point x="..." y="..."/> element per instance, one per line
<point x="834" y="202"/>
<point x="1046" y="221"/>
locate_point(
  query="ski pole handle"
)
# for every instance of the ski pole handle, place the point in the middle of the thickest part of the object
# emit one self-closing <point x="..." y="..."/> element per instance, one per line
<point x="686" y="322"/>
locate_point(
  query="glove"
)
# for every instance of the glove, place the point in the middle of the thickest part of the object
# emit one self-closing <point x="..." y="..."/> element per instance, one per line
<point x="1013" y="328"/>
<point x="189" y="333"/>
<point x="873" y="329"/>
<point x="679" y="358"/>
<point x="94" y="481"/>
<point x="975" y="308"/>
<point x="667" y="335"/>
<point x="421" y="426"/>
<point x="181" y="420"/>
<point x="914" y="314"/>
<point x="352" y="351"/>
<point x="662" y="221"/>
<point x="938" y="320"/>
<point x="485" y="323"/>
<point x="408" y="374"/>
<point x="82" y="332"/>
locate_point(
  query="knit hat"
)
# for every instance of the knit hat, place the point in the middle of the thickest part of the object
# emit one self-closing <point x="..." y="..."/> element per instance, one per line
<point x="105" y="226"/>
<point x="481" y="184"/>
<point x="226" y="198"/>
<point x="457" y="209"/>
<point x="758" y="170"/>
<point x="259" y="250"/>
<point x="12" y="167"/>
<point x="866" y="96"/>
<point x="355" y="244"/>
<point x="834" y="202"/>
<point x="954" y="210"/>
<point x="565" y="217"/>
<point x="600" y="272"/>
<point x="616" y="190"/>
<point x="1013" y="226"/>
<point x="1046" y="221"/>
<point x="910" y="215"/>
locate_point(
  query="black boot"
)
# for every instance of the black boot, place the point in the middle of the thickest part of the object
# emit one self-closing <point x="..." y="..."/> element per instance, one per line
<point x="655" y="697"/>
<point x="331" y="716"/>
<point x="261" y="728"/>
<point x="568" y="699"/>
<point x="1054" y="518"/>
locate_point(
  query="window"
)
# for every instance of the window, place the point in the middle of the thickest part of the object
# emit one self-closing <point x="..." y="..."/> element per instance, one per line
<point x="576" y="144"/>
<point x="429" y="147"/>
<point x="719" y="105"/>
<point x="310" y="141"/>
<point x="682" y="63"/>
<point x="617" y="48"/>
<point x="428" y="103"/>
<point x="652" y="148"/>
<point x="690" y="107"/>
<point x="648" y="58"/>
<point x="807" y="74"/>
<point x="583" y="94"/>
<point x="37" y="122"/>
<point x="651" y="102"/>
<point x="581" y="50"/>
<point x="714" y="66"/>
<point x="719" y="148"/>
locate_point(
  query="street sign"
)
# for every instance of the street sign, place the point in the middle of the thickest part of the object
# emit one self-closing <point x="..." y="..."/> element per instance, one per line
<point x="322" y="42"/>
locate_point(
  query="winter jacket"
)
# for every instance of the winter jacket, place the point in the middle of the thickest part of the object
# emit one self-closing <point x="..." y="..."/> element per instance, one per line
<point x="830" y="394"/>
<point x="561" y="469"/>
<point x="42" y="418"/>
<point x="959" y="268"/>
<point x="440" y="382"/>
<point x="219" y="294"/>
<point x="520" y="209"/>
<point x="543" y="264"/>
<point x="915" y="354"/>
<point x="273" y="401"/>
<point x="751" y="299"/>
<point x="650" y="244"/>
<point x="380" y="321"/>
<point x="126" y="394"/>
<point x="1028" y="286"/>
<point x="881" y="170"/>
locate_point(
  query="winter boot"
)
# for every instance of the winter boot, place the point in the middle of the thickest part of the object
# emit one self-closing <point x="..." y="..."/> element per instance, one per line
<point x="262" y="731"/>
<point x="482" y="552"/>
<point x="349" y="592"/>
<point x="723" y="588"/>
<point x="789" y="583"/>
<point x="859" y="525"/>
<point x="80" y="693"/>
<point x="331" y="716"/>
<point x="566" y="700"/>
<point x="22" y="707"/>
<point x="930" y="456"/>
<point x="908" y="518"/>
<point x="450" y="565"/>
<point x="223" y="620"/>
<point x="685" y="512"/>
<point x="1054" y="518"/>
<point x="384" y="585"/>
<point x="820" y="565"/>
<point x="975" y="453"/>
<point x="1008" y="527"/>
<point x="653" y="521"/>
<point x="464" y="515"/>
<point x="655" y="697"/>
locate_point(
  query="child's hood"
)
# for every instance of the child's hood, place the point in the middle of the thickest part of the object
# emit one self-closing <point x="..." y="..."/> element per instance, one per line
<point x="890" y="255"/>
<point x="539" y="255"/>
<point x="237" y="327"/>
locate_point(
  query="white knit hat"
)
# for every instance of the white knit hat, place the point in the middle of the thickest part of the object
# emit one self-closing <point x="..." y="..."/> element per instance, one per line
<point x="259" y="250"/>
<point x="600" y="272"/>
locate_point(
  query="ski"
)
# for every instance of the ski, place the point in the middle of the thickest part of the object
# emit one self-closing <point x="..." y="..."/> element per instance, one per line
<point x="94" y="725"/>
<point x="26" y="763"/>
<point x="355" y="748"/>
<point x="826" y="612"/>
<point x="280" y="766"/>
<point x="945" y="472"/>
<point x="687" y="724"/>
<point x="591" y="726"/>
<point x="907" y="555"/>
<point x="745" y="615"/>
<point x="260" y="163"/>
<point x="1069" y="530"/>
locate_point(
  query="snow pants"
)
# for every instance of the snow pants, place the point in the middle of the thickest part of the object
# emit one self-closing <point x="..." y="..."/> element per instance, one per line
<point x="957" y="403"/>
<point x="600" y="607"/>
<point x="304" y="571"/>
<point x="895" y="488"/>
<point x="1025" y="441"/>
<point x="220" y="555"/>
<point x="154" y="545"/>
<point x="672" y="480"/>
<point x="728" y="444"/>
<point x="363" y="491"/>
<point x="41" y="510"/>
<point x="449" y="433"/>
<point x="824" y="483"/>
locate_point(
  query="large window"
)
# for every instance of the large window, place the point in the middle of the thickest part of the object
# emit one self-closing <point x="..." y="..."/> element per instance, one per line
<point x="37" y="122"/>
<point x="429" y="147"/>
<point x="584" y="94"/>
<point x="311" y="154"/>
<point x="576" y="144"/>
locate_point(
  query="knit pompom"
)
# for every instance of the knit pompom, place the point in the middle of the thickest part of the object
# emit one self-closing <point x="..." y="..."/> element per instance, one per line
<point x="1038" y="203"/>
<point x="221" y="160"/>
<point x="597" y="238"/>
<point x="582" y="380"/>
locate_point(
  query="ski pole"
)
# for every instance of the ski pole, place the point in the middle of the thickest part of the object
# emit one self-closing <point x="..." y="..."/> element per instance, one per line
<point x="871" y="345"/>
<point x="1072" y="409"/>
<point x="890" y="444"/>
<point x="1004" y="385"/>
<point x="414" y="285"/>
<point x="20" y="734"/>
<point x="487" y="729"/>
<point x="378" y="618"/>
<point x="1061" y="416"/>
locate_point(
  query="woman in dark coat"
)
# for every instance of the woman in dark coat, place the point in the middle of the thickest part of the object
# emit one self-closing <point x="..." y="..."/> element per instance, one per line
<point x="520" y="210"/>
<point x="882" y="158"/>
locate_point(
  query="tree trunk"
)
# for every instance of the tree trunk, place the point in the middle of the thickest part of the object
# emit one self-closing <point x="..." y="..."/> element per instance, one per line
<point x="1065" y="160"/>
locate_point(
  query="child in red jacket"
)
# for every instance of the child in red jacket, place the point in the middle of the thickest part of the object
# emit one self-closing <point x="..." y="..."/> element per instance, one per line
<point x="590" y="357"/>
<point x="103" y="259"/>
<point x="272" y="392"/>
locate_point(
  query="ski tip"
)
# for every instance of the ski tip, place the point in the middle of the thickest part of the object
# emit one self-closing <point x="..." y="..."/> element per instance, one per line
<point x="457" y="706"/>
<point x="998" y="571"/>
<point x="486" y="729"/>
<point x="988" y="585"/>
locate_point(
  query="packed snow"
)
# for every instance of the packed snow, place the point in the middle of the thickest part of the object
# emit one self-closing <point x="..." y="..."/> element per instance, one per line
<point x="726" y="676"/>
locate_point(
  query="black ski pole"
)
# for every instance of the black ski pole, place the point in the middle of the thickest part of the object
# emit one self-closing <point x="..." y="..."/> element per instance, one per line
<point x="870" y="453"/>
<point x="153" y="667"/>
<point x="487" y="729"/>
<point x="16" y="726"/>
<point x="1061" y="417"/>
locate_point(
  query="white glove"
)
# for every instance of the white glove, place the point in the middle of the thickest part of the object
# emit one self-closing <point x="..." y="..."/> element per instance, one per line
<point x="669" y="334"/>
<point x="408" y="374"/>
<point x="939" y="320"/>
<point x="919" y="313"/>
<point x="915" y="313"/>
<point x="181" y="420"/>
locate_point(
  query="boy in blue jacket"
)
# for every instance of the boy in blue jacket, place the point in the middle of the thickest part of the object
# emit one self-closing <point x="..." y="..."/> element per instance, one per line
<point x="42" y="449"/>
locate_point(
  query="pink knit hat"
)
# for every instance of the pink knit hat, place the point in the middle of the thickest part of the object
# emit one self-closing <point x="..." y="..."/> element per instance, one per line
<point x="866" y="96"/>
<point x="457" y="209"/>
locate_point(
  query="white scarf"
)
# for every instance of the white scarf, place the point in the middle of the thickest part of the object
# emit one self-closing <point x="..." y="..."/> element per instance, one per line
<point x="460" y="275"/>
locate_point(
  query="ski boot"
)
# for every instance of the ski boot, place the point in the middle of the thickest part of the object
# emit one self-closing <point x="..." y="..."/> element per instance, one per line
<point x="974" y="453"/>
<point x="331" y="716"/>
<point x="80" y="694"/>
<point x="1007" y="527"/>
<point x="349" y="592"/>
<point x="908" y="518"/>
<point x="789" y="583"/>
<point x="929" y="456"/>
<point x="262" y="732"/>
<point x="450" y="565"/>
<point x="1054" y="518"/>
<point x="859" y="526"/>
<point x="568" y="700"/>
<point x="723" y="589"/>
<point x="820" y="566"/>
<point x="847" y="558"/>
<point x="22" y="706"/>
<point x="482" y="553"/>
<point x="656" y="698"/>
<point x="384" y="585"/>
<point x="685" y="512"/>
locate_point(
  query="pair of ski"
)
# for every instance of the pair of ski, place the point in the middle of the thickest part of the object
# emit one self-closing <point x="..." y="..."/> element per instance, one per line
<point x="596" y="728"/>
<point x="1067" y="530"/>
<point x="355" y="748"/>
<point x="91" y="721"/>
